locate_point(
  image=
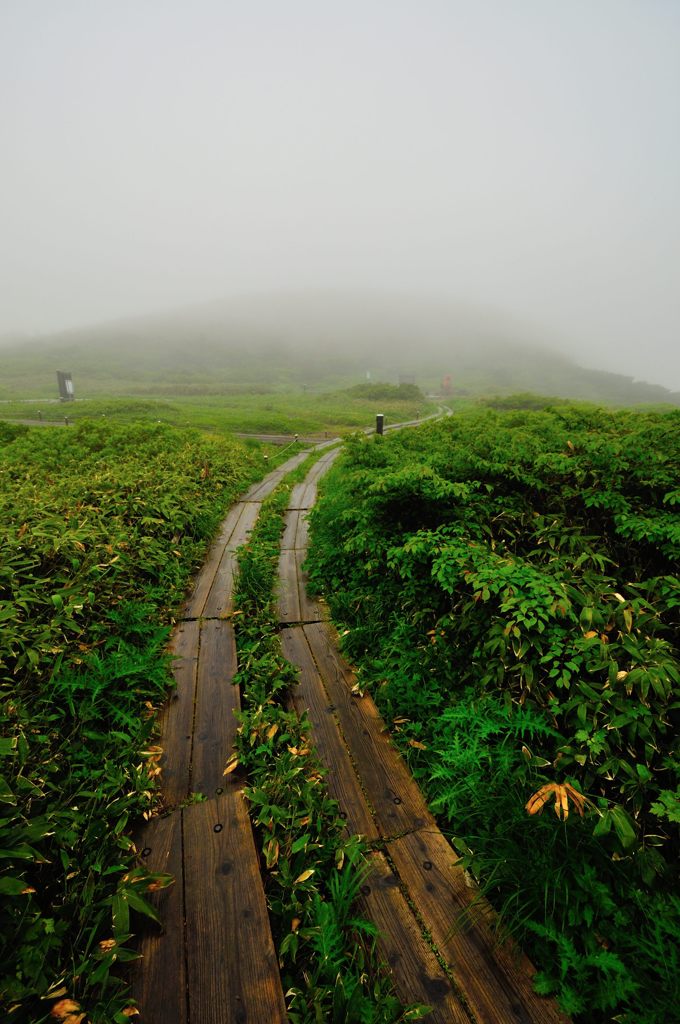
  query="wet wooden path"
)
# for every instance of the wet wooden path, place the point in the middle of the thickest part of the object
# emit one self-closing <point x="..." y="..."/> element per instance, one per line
<point x="415" y="887"/>
<point x="214" y="961"/>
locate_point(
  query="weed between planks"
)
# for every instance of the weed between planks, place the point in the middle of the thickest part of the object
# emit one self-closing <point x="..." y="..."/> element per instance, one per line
<point x="313" y="870"/>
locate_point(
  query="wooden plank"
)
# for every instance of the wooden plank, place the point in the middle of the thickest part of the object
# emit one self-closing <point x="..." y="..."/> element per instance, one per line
<point x="309" y="495"/>
<point x="193" y="606"/>
<point x="310" y="696"/>
<point x="259" y="491"/>
<point x="159" y="978"/>
<point x="396" y="799"/>
<point x="287" y="598"/>
<point x="290" y="521"/>
<point x="494" y="978"/>
<point x="302" y="535"/>
<point x="417" y="975"/>
<point x="250" y="510"/>
<point x="310" y="610"/>
<point x="176" y="718"/>
<point x="296" y="496"/>
<point x="219" y="599"/>
<point x="216" y="700"/>
<point x="232" y="966"/>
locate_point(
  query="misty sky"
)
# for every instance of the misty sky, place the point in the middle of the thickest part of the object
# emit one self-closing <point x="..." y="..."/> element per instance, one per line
<point x="522" y="155"/>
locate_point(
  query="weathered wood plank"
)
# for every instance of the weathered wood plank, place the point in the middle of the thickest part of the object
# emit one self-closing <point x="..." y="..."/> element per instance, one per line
<point x="495" y="978"/>
<point x="232" y="967"/>
<point x="193" y="606"/>
<point x="294" y="502"/>
<point x="289" y="538"/>
<point x="310" y="610"/>
<point x="218" y="600"/>
<point x="259" y="491"/>
<point x="176" y="717"/>
<point x="159" y="978"/>
<point x="302" y="536"/>
<point x="416" y="973"/>
<point x="216" y="700"/>
<point x="308" y="496"/>
<point x="287" y="597"/>
<point x="396" y="799"/>
<point x="310" y="696"/>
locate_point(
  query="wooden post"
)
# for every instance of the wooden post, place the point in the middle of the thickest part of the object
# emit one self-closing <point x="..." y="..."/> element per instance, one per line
<point x="379" y="423"/>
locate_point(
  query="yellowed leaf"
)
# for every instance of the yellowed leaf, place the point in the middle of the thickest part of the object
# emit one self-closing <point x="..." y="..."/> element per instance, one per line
<point x="64" y="1008"/>
<point x="417" y="744"/>
<point x="304" y="876"/>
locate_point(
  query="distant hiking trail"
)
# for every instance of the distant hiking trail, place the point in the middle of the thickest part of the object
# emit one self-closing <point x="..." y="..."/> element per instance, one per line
<point x="214" y="961"/>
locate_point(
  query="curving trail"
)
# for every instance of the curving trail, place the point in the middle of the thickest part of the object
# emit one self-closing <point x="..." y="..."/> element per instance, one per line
<point x="214" y="960"/>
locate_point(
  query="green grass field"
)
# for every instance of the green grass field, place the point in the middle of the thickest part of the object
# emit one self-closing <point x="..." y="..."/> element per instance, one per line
<point x="334" y="412"/>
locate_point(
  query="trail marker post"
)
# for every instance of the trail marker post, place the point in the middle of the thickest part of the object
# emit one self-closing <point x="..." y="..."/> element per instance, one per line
<point x="379" y="423"/>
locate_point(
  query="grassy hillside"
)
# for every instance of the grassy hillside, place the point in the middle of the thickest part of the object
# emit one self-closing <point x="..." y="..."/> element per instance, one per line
<point x="319" y="342"/>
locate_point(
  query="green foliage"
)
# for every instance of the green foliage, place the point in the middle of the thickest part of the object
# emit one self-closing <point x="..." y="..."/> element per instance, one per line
<point x="379" y="391"/>
<point x="101" y="528"/>
<point x="508" y="580"/>
<point x="254" y="410"/>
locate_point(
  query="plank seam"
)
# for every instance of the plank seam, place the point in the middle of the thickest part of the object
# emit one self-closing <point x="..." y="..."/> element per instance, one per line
<point x="185" y="948"/>
<point x="427" y="935"/>
<point x="299" y="622"/>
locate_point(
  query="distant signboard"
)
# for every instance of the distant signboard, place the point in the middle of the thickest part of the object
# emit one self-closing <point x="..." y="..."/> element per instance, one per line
<point x="65" y="382"/>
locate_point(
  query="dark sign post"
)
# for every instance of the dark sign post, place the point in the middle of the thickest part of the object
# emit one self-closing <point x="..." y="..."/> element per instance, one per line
<point x="379" y="423"/>
<point x="65" y="382"/>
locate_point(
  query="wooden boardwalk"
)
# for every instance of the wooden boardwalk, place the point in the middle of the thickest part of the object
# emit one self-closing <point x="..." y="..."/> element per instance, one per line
<point x="415" y="886"/>
<point x="214" y="960"/>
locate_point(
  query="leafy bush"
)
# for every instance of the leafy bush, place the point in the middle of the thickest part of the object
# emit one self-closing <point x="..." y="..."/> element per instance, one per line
<point x="509" y="584"/>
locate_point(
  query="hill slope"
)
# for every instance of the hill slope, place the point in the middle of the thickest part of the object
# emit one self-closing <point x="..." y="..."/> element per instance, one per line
<point x="308" y="339"/>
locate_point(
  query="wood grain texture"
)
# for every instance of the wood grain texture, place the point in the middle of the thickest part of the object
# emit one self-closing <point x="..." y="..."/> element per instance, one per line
<point x="310" y="610"/>
<point x="310" y="696"/>
<point x="416" y="973"/>
<point x="296" y="495"/>
<point x="290" y="529"/>
<point x="193" y="606"/>
<point x="397" y="801"/>
<point x="218" y="600"/>
<point x="216" y="701"/>
<point x="495" y="978"/>
<point x="233" y="973"/>
<point x="159" y="978"/>
<point x="287" y="597"/>
<point x="176" y="718"/>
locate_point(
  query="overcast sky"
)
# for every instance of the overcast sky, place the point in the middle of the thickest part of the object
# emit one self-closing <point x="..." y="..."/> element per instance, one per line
<point x="519" y="154"/>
